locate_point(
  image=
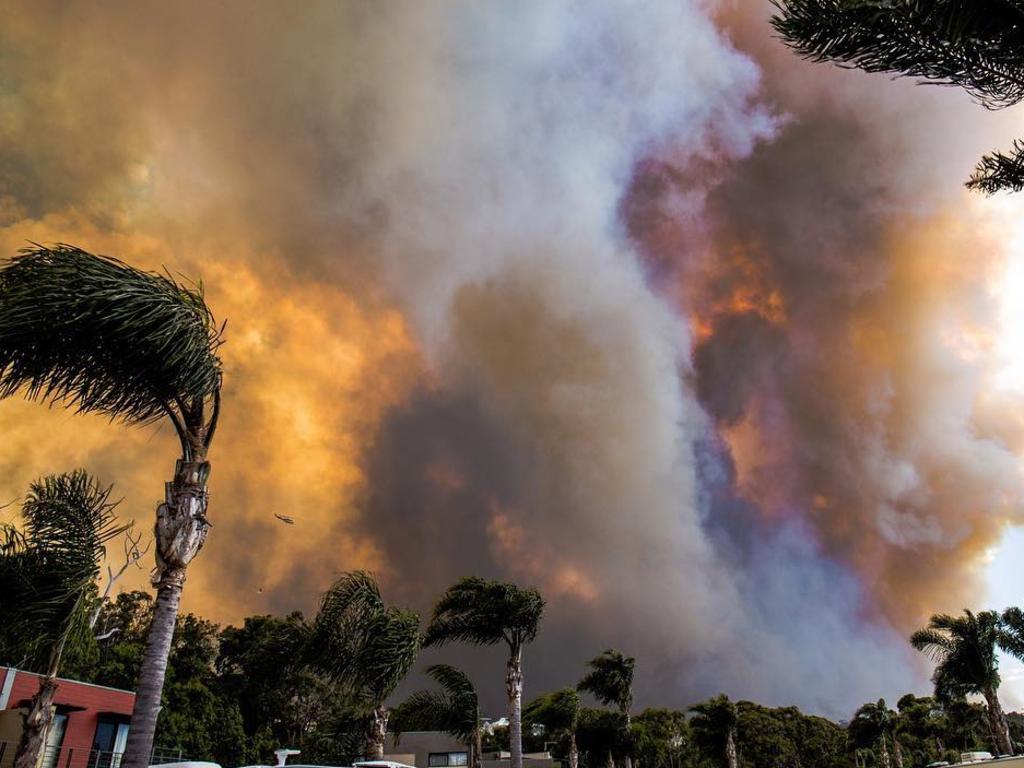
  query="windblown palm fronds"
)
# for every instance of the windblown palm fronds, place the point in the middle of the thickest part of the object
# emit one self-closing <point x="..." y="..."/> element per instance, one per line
<point x="610" y="679"/>
<point x="453" y="709"/>
<point x="98" y="335"/>
<point x="48" y="568"/>
<point x="361" y="642"/>
<point x="482" y="612"/>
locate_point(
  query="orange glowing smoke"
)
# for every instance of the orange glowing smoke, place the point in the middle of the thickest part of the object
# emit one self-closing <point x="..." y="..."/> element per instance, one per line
<point x="534" y="560"/>
<point x="734" y="283"/>
<point x="309" y="372"/>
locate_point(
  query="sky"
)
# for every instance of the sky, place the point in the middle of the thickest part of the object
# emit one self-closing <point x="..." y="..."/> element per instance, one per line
<point x="620" y="300"/>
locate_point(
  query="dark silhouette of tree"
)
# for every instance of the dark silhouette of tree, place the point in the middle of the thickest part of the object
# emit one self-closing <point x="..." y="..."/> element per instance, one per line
<point x="977" y="45"/>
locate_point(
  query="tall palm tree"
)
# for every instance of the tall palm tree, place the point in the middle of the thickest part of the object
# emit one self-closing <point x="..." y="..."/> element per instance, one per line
<point x="610" y="680"/>
<point x="559" y="713"/>
<point x="714" y="725"/>
<point x="454" y="709"/>
<point x="977" y="45"/>
<point x="366" y="646"/>
<point x="483" y="612"/>
<point x="48" y="571"/>
<point x="874" y="724"/>
<point x="964" y="651"/>
<point x="97" y="335"/>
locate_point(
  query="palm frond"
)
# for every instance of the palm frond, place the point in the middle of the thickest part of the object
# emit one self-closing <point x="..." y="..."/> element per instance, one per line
<point x="484" y="612"/>
<point x="360" y="642"/>
<point x="1011" y="632"/>
<point x="999" y="172"/>
<point x="48" y="569"/>
<point x="558" y="712"/>
<point x="421" y="711"/>
<point x="98" y="335"/>
<point x="932" y="642"/>
<point x="973" y="44"/>
<point x="964" y="651"/>
<point x="453" y="680"/>
<point x="454" y="709"/>
<point x="610" y="679"/>
<point x="384" y="655"/>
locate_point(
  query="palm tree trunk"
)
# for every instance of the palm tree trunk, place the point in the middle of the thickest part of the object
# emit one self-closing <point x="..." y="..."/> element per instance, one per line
<point x="574" y="751"/>
<point x="377" y="733"/>
<point x="151" y="675"/>
<point x="514" y="689"/>
<point x="36" y="725"/>
<point x="731" y="758"/>
<point x="997" y="723"/>
<point x="181" y="529"/>
<point x="897" y="752"/>
<point x="478" y="744"/>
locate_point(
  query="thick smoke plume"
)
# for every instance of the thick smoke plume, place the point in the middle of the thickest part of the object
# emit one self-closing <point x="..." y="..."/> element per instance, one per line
<point x="571" y="293"/>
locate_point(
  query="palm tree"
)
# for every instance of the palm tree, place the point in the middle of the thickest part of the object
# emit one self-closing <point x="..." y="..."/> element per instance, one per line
<point x="964" y="651"/>
<point x="610" y="680"/>
<point x="977" y="45"/>
<point x="483" y="612"/>
<point x="48" y="571"/>
<point x="454" y="709"/>
<point x="366" y="646"/>
<point x="714" y="725"/>
<point x="873" y="724"/>
<point x="559" y="713"/>
<point x="97" y="335"/>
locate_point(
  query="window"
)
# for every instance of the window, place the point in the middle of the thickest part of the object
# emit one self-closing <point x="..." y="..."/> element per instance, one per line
<point x="54" y="740"/>
<point x="108" y="743"/>
<point x="447" y="759"/>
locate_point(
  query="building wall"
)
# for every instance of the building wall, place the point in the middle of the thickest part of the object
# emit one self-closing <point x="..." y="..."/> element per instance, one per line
<point x="83" y="703"/>
<point x="420" y="744"/>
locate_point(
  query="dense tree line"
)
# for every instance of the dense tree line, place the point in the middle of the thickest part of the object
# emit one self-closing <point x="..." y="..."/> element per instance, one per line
<point x="234" y="694"/>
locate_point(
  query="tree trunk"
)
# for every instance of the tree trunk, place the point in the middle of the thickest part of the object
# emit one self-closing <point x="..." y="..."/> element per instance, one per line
<point x="997" y="724"/>
<point x="574" y="751"/>
<point x="181" y="529"/>
<point x="731" y="758"/>
<point x="377" y="733"/>
<point x="478" y="744"/>
<point x="628" y="760"/>
<point x="897" y="752"/>
<point x="514" y="689"/>
<point x="36" y="725"/>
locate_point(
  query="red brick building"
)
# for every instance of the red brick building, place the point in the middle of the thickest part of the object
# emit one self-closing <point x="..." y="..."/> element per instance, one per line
<point x="90" y="726"/>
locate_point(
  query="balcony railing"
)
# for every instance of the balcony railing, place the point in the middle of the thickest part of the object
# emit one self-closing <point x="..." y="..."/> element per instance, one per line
<point x="68" y="756"/>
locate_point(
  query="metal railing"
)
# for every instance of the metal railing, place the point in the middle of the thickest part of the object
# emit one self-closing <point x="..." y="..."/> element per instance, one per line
<point x="68" y="756"/>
